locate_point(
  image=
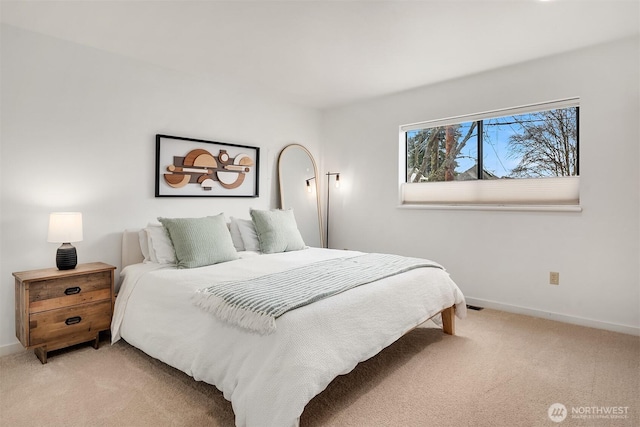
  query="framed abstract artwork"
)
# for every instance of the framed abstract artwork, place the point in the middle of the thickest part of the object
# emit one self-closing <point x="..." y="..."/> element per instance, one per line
<point x="187" y="167"/>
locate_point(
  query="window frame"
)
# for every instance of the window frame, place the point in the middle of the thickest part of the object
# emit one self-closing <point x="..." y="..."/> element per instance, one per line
<point x="563" y="191"/>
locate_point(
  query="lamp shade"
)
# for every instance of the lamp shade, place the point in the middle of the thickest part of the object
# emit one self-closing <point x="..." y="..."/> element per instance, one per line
<point x="65" y="227"/>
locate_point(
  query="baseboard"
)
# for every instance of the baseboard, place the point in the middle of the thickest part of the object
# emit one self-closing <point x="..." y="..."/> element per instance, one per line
<point x="10" y="349"/>
<point x="581" y="321"/>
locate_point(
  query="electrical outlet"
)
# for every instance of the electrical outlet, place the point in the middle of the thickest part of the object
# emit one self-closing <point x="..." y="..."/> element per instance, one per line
<point x="554" y="278"/>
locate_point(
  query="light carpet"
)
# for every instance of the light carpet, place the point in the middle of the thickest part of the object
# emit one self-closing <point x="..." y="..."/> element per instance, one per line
<point x="500" y="369"/>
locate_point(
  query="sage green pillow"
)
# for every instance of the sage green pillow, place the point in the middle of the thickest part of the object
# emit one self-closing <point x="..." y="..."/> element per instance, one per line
<point x="277" y="231"/>
<point x="200" y="241"/>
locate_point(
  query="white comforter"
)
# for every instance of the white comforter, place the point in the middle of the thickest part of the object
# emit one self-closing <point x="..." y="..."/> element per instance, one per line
<point x="269" y="379"/>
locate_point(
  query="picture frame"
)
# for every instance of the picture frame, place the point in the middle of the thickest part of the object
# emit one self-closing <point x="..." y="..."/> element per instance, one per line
<point x="188" y="167"/>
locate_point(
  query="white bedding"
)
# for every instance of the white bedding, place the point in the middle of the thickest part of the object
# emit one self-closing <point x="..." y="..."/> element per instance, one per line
<point x="269" y="379"/>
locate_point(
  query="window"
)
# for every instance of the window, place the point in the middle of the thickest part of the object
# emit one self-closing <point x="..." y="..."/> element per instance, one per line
<point x="520" y="156"/>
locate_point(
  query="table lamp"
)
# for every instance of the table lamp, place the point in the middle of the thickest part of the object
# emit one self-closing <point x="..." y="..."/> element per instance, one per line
<point x="65" y="227"/>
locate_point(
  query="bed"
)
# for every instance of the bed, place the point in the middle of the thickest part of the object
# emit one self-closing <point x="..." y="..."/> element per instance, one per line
<point x="269" y="378"/>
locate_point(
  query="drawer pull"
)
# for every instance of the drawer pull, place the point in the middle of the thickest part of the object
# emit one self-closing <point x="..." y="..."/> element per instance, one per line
<point x="72" y="291"/>
<point x="73" y="320"/>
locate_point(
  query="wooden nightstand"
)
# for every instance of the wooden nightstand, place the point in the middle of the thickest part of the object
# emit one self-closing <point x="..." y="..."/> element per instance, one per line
<point x="59" y="308"/>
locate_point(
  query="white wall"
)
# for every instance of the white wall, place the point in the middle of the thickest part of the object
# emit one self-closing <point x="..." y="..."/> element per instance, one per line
<point x="78" y="130"/>
<point x="503" y="259"/>
<point x="78" y="133"/>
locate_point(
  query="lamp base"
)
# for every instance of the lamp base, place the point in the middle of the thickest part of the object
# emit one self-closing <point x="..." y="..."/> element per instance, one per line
<point x="66" y="257"/>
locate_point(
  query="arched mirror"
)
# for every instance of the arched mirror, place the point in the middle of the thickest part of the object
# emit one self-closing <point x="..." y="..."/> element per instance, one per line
<point x="298" y="178"/>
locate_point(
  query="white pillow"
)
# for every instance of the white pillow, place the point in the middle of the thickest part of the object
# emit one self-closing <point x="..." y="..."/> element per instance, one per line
<point x="144" y="244"/>
<point x="248" y="233"/>
<point x="235" y="234"/>
<point x="160" y="247"/>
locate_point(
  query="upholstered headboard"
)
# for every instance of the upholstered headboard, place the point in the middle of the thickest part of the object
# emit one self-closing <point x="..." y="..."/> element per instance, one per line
<point x="131" y="252"/>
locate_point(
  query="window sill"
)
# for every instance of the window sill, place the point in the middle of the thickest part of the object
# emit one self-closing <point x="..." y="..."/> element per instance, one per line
<point x="521" y="208"/>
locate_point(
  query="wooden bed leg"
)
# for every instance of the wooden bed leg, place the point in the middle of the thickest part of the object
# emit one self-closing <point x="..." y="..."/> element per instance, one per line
<point x="449" y="320"/>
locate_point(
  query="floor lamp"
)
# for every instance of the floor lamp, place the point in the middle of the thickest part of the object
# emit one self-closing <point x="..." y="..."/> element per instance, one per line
<point x="329" y="175"/>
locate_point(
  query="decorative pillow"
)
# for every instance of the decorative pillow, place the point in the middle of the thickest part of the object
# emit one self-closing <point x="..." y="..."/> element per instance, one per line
<point x="160" y="246"/>
<point x="248" y="233"/>
<point x="200" y="241"/>
<point x="277" y="231"/>
<point x="235" y="235"/>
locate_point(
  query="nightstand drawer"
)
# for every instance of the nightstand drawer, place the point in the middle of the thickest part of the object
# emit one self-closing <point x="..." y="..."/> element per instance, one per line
<point x="57" y="325"/>
<point x="64" y="292"/>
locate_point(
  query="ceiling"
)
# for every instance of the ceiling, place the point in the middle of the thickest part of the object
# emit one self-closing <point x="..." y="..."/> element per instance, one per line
<point x="327" y="53"/>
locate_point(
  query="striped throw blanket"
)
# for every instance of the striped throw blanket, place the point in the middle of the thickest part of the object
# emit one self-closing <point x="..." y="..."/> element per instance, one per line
<point x="255" y="304"/>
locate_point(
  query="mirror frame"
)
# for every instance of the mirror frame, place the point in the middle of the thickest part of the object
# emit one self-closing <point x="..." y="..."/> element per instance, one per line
<point x="317" y="179"/>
